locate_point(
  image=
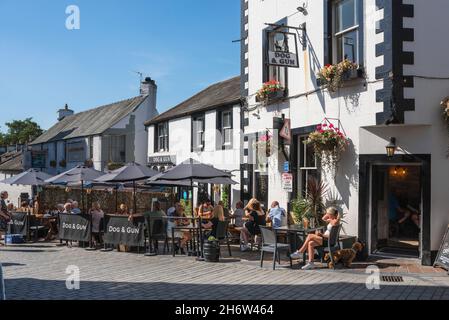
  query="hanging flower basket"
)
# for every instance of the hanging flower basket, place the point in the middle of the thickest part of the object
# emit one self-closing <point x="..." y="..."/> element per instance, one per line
<point x="265" y="145"/>
<point x="329" y="143"/>
<point x="270" y="90"/>
<point x="333" y="75"/>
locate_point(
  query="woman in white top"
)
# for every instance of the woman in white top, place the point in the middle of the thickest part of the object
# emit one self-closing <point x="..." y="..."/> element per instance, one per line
<point x="332" y="218"/>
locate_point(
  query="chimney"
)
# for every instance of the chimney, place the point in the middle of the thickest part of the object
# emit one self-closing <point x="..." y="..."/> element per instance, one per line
<point x="147" y="87"/>
<point x="64" y="112"/>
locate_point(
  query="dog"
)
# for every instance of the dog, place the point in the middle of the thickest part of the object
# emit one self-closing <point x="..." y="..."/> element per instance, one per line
<point x="345" y="256"/>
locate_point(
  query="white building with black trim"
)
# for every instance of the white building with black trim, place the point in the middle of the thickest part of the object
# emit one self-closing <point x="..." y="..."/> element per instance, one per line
<point x="205" y="127"/>
<point x="396" y="93"/>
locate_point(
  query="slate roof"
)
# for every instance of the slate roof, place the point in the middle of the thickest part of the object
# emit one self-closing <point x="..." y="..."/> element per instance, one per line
<point x="216" y="95"/>
<point x="90" y="122"/>
<point x="12" y="162"/>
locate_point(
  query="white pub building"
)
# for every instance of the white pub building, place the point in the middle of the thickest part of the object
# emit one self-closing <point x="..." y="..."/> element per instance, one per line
<point x="387" y="92"/>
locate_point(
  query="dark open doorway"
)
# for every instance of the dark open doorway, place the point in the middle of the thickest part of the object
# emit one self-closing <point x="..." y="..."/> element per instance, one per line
<point x="375" y="188"/>
<point x="396" y="209"/>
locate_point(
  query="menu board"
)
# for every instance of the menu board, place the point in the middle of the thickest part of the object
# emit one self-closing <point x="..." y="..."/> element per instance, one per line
<point x="442" y="259"/>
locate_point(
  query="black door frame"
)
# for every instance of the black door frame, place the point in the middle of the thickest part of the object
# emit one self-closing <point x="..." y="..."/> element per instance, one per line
<point x="365" y="164"/>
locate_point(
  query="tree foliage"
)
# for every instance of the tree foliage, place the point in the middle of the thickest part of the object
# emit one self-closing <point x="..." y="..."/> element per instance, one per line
<point x="20" y="132"/>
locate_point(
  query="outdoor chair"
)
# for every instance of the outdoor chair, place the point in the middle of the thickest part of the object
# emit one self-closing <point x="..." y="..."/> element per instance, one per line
<point x="35" y="228"/>
<point x="333" y="244"/>
<point x="159" y="232"/>
<point x="271" y="245"/>
<point x="222" y="234"/>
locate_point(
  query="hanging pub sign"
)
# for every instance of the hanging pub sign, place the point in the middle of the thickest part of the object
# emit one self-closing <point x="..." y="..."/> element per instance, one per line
<point x="119" y="230"/>
<point x="75" y="227"/>
<point x="19" y="223"/>
<point x="280" y="51"/>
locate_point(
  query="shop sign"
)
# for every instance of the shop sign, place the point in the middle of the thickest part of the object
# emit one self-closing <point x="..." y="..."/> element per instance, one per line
<point x="287" y="182"/>
<point x="162" y="160"/>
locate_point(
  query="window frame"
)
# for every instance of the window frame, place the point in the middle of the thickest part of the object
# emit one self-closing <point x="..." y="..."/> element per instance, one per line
<point x="224" y="128"/>
<point x="161" y="137"/>
<point x="331" y="35"/>
<point x="198" y="118"/>
<point x="304" y="172"/>
<point x="266" y="47"/>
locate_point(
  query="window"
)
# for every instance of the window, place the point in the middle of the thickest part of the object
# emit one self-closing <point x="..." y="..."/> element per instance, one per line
<point x="76" y="151"/>
<point x="346" y="31"/>
<point x="198" y="125"/>
<point x="277" y="41"/>
<point x="162" y="137"/>
<point x="118" y="149"/>
<point x="226" y="118"/>
<point x="307" y="164"/>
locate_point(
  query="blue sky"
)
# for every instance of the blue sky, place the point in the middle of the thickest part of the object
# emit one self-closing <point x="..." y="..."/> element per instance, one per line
<point x="184" y="45"/>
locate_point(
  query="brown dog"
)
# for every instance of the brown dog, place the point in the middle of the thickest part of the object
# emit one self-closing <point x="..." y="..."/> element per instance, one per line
<point x="345" y="256"/>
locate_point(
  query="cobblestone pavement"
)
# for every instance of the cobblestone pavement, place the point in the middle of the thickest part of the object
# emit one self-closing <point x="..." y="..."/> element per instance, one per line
<point x="38" y="272"/>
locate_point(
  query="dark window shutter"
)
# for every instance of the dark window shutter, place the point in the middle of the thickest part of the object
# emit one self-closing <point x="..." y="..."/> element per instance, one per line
<point x="219" y="135"/>
<point x="156" y="140"/>
<point x="327" y="28"/>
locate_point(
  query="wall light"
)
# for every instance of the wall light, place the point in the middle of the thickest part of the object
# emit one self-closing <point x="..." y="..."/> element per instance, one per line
<point x="391" y="147"/>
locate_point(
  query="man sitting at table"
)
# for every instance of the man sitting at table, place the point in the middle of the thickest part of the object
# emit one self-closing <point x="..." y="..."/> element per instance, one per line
<point x="277" y="215"/>
<point x="75" y="208"/>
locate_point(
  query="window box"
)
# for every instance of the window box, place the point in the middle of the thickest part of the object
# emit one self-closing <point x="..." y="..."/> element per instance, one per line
<point x="272" y="97"/>
<point x="63" y="163"/>
<point x="89" y="163"/>
<point x="114" y="166"/>
<point x="53" y="163"/>
<point x="335" y="75"/>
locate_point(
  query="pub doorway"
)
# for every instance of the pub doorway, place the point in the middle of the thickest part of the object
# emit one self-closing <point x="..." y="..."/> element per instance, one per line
<point x="397" y="206"/>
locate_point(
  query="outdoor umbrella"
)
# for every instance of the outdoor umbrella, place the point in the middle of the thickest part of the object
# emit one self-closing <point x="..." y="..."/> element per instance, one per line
<point x="193" y="170"/>
<point x="30" y="177"/>
<point x="131" y="172"/>
<point x="79" y="174"/>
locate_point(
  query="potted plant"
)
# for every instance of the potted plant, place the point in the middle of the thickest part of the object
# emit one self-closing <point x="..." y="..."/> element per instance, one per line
<point x="114" y="166"/>
<point x="63" y="163"/>
<point x="270" y="90"/>
<point x="328" y="143"/>
<point x="333" y="75"/>
<point x="309" y="210"/>
<point x="53" y="163"/>
<point x="89" y="163"/>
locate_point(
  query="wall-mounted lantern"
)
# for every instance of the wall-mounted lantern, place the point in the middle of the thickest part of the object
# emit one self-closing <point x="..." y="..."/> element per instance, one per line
<point x="391" y="147"/>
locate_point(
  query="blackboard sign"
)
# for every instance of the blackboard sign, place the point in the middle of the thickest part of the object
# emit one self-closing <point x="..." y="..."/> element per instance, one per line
<point x="75" y="227"/>
<point x="443" y="254"/>
<point x="19" y="223"/>
<point x="118" y="230"/>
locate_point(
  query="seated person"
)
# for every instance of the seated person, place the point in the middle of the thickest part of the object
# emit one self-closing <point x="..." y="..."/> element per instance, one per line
<point x="251" y="228"/>
<point x="205" y="210"/>
<point x="75" y="208"/>
<point x="225" y="210"/>
<point x="184" y="236"/>
<point x="332" y="218"/>
<point x="277" y="215"/>
<point x="24" y="206"/>
<point x="238" y="214"/>
<point x="217" y="215"/>
<point x="4" y="214"/>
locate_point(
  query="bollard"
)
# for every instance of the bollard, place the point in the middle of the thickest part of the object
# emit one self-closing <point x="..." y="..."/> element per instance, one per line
<point x="2" y="284"/>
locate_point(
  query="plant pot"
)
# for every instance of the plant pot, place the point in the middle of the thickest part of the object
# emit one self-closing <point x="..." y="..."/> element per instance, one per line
<point x="211" y="251"/>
